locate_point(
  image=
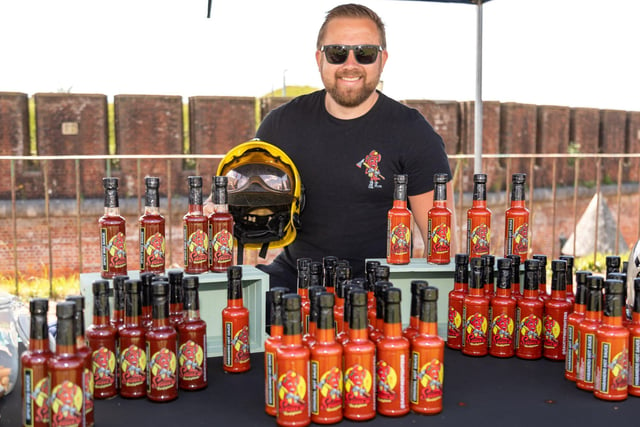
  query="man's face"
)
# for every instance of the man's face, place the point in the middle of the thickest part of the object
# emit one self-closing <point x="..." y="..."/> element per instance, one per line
<point x="351" y="83"/>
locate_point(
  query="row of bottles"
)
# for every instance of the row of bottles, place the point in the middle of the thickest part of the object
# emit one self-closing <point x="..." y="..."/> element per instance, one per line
<point x="208" y="241"/>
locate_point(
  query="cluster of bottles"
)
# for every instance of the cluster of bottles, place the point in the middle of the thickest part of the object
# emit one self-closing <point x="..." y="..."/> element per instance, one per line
<point x="337" y="348"/>
<point x="208" y="241"/>
<point x="153" y="344"/>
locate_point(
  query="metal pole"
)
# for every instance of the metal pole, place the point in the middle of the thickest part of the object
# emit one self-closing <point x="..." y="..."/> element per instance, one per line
<point x="477" y="143"/>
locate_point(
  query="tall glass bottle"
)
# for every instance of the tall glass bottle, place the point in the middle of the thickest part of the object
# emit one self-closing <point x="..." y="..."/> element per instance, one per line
<point x="455" y="322"/>
<point x="192" y="340"/>
<point x="557" y="309"/>
<point x="220" y="227"/>
<point x="151" y="229"/>
<point x="503" y="314"/>
<point x="475" y="314"/>
<point x="399" y="231"/>
<point x="113" y="233"/>
<point x="133" y="356"/>
<point x="304" y="279"/>
<point x="439" y="228"/>
<point x="587" y="329"/>
<point x="271" y="345"/>
<point x="195" y="225"/>
<point x="33" y="362"/>
<point x="293" y="384"/>
<point x="529" y="315"/>
<point x="634" y="342"/>
<point x="612" y="357"/>
<point x="573" y="320"/>
<point x="414" y="321"/>
<point x="427" y="358"/>
<point x="516" y="223"/>
<point x="66" y="399"/>
<point x="326" y="367"/>
<point x="235" y="322"/>
<point x="359" y="363"/>
<point x="479" y="219"/>
<point x="101" y="336"/>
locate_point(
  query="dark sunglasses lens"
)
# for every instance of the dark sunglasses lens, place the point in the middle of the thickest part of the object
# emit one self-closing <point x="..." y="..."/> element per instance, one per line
<point x="366" y="54"/>
<point x="336" y="54"/>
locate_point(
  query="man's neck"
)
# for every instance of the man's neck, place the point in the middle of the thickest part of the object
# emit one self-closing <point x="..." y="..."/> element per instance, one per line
<point x="347" y="113"/>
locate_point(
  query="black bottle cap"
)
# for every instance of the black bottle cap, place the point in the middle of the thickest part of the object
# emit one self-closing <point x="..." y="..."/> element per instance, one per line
<point x="558" y="275"/>
<point x="416" y="289"/>
<point x="440" y="178"/>
<point x="291" y="302"/>
<point x="504" y="274"/>
<point x="325" y="314"/>
<point x="594" y="296"/>
<point x="400" y="182"/>
<point x="461" y="273"/>
<point x="133" y="286"/>
<point x="110" y="183"/>
<point x="159" y="289"/>
<point x="429" y="306"/>
<point x="314" y="292"/>
<point x="190" y="282"/>
<point x="65" y="310"/>
<point x="370" y="271"/>
<point x="100" y="287"/>
<point x="78" y="300"/>
<point x="277" y="295"/>
<point x="358" y="307"/>
<point x="303" y="264"/>
<point x="292" y="323"/>
<point x="519" y="178"/>
<point x="392" y="298"/>
<point x="41" y="306"/>
<point x="531" y="274"/>
<point x="234" y="272"/>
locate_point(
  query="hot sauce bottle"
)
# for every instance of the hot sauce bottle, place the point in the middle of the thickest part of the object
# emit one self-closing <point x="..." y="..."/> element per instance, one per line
<point x="515" y="276"/>
<point x="235" y="322"/>
<point x="479" y="219"/>
<point x="612" y="357"/>
<point x="414" y="321"/>
<point x="35" y="376"/>
<point x="569" y="276"/>
<point x="329" y="265"/>
<point x="392" y="365"/>
<point x="427" y="358"/>
<point x="113" y="233"/>
<point x="293" y="384"/>
<point x="587" y="329"/>
<point x="378" y="331"/>
<point x="66" y="398"/>
<point x="503" y="312"/>
<point x="85" y="353"/>
<point x="192" y="340"/>
<point x="304" y="279"/>
<point x="634" y="342"/>
<point x="359" y="363"/>
<point x="439" y="225"/>
<point x="455" y="321"/>
<point x="133" y="357"/>
<point x="542" y="277"/>
<point x="220" y="227"/>
<point x="101" y="336"/>
<point x="271" y="345"/>
<point x="557" y="309"/>
<point x="573" y="321"/>
<point x="399" y="224"/>
<point x="370" y="271"/>
<point x="195" y="224"/>
<point x="475" y="314"/>
<point x="117" y="315"/>
<point x="310" y="336"/>
<point x="516" y="222"/>
<point x="151" y="228"/>
<point x="326" y="367"/>
<point x="529" y="315"/>
<point x="612" y="263"/>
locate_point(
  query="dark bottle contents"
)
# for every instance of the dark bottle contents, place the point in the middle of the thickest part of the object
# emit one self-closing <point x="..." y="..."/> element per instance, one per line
<point x="304" y="279"/>
<point x="147" y="298"/>
<point x="220" y="227"/>
<point x="271" y="344"/>
<point x="475" y="314"/>
<point x="235" y="322"/>
<point x="67" y="400"/>
<point x="113" y="233"/>
<point x="162" y="344"/>
<point x="293" y="369"/>
<point x="151" y="228"/>
<point x="573" y="320"/>
<point x="133" y="358"/>
<point x="529" y="315"/>
<point x="399" y="231"/>
<point x="587" y="329"/>
<point x="455" y="322"/>
<point x="557" y="310"/>
<point x="479" y="219"/>
<point x="439" y="225"/>
<point x="33" y="362"/>
<point x="414" y="321"/>
<point x="192" y="343"/>
<point x="634" y="342"/>
<point x="427" y="358"/>
<point x="195" y="225"/>
<point x="516" y="223"/>
<point x="503" y="313"/>
<point x="101" y="336"/>
<point x="117" y="316"/>
<point x="176" y="298"/>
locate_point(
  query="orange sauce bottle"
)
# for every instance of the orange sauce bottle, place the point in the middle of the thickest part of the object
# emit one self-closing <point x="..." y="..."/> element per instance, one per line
<point x="236" y="354"/>
<point x="113" y="233"/>
<point x="151" y="228"/>
<point x="414" y="320"/>
<point x="399" y="231"/>
<point x="587" y="329"/>
<point x="195" y="231"/>
<point x="557" y="310"/>
<point x="503" y="313"/>
<point x="192" y="340"/>
<point x="85" y="353"/>
<point x="479" y="219"/>
<point x="133" y="357"/>
<point x="271" y="344"/>
<point x="573" y="321"/>
<point x="439" y="223"/>
<point x="516" y="224"/>
<point x="475" y="314"/>
<point x="529" y="315"/>
<point x="220" y="228"/>
<point x="455" y="321"/>
<point x="634" y="342"/>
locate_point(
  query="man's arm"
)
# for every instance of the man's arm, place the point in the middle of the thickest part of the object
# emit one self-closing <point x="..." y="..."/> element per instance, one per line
<point x="420" y="205"/>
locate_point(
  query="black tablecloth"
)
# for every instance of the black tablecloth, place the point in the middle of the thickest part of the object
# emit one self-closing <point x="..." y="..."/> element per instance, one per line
<point x="504" y="392"/>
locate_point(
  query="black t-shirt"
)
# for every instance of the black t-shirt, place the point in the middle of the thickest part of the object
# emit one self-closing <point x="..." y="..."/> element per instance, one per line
<point x="347" y="168"/>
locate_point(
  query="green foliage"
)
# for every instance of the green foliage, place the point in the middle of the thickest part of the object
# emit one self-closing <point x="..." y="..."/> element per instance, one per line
<point x="38" y="285"/>
<point x="597" y="265"/>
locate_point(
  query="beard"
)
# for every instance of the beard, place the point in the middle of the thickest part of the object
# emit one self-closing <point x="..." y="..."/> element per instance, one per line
<point x="351" y="97"/>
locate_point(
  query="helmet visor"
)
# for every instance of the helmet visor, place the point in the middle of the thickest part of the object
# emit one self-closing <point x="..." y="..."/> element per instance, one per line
<point x="254" y="184"/>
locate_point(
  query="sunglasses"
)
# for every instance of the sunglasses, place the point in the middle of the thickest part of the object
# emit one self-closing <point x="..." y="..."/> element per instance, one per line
<point x="338" y="53"/>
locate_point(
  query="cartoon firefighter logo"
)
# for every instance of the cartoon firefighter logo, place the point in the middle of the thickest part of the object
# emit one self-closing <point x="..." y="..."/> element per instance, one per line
<point x="222" y="244"/>
<point x="551" y="333"/>
<point x="116" y="248"/>
<point x="154" y="250"/>
<point x="133" y="366"/>
<point x="292" y="389"/>
<point x="479" y="239"/>
<point x="190" y="357"/>
<point x="502" y="329"/>
<point x="400" y="239"/>
<point x="441" y="239"/>
<point x="521" y="239"/>
<point x="530" y="331"/>
<point x="40" y="397"/>
<point x="66" y="404"/>
<point x="241" y="345"/>
<point x="104" y="368"/>
<point x="476" y="329"/>
<point x="387" y="379"/>
<point x="163" y="369"/>
<point x="454" y="323"/>
<point x="87" y="380"/>
<point x="197" y="247"/>
<point x="431" y="377"/>
<point x="358" y="383"/>
<point x="619" y="370"/>
<point x="371" y="163"/>
<point x="330" y="386"/>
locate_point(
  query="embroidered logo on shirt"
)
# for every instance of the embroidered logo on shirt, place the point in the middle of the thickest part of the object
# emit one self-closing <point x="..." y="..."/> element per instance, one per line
<point x="371" y="163"/>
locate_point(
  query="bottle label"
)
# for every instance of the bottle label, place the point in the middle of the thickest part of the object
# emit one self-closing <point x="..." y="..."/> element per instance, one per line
<point x="386" y="379"/>
<point x="162" y="370"/>
<point x="326" y="389"/>
<point x="196" y="247"/>
<point x="454" y="323"/>
<point x="426" y="379"/>
<point x="358" y="384"/>
<point x="270" y="394"/>
<point x="222" y="247"/>
<point x="191" y="358"/>
<point x="133" y="366"/>
<point x="634" y="378"/>
<point x="66" y="404"/>
<point x="439" y="238"/>
<point x="236" y="345"/>
<point x="478" y="238"/>
<point x="113" y="249"/>
<point x="398" y="240"/>
<point x="104" y="368"/>
<point x="589" y="355"/>
<point x="502" y="328"/>
<point x="35" y="399"/>
<point x="88" y="386"/>
<point x="517" y="239"/>
<point x="572" y="350"/>
<point x="476" y="330"/>
<point x="152" y="250"/>
<point x="292" y="389"/>
<point x="530" y="329"/>
<point x="551" y="333"/>
<point x="613" y="369"/>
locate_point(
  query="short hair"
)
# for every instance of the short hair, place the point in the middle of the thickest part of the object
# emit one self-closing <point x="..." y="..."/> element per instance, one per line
<point x="352" y="10"/>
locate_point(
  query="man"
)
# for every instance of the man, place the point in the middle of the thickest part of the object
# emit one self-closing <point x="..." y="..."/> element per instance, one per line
<point x="347" y="141"/>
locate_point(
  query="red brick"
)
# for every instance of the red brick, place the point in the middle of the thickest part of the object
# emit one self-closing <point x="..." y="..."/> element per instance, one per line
<point x="552" y="137"/>
<point x="490" y="141"/>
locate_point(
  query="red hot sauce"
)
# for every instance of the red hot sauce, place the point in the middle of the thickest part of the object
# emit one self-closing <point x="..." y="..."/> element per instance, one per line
<point x="133" y="357"/>
<point x="151" y="228"/>
<point x="529" y="315"/>
<point x="503" y="312"/>
<point x="399" y="224"/>
<point x="475" y="314"/>
<point x="192" y="343"/>
<point x="455" y="321"/>
<point x="235" y="322"/>
<point x="113" y="233"/>
<point x="271" y="344"/>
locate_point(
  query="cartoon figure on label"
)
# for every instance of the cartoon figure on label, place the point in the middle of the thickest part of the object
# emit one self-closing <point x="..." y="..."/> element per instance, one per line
<point x="66" y="404"/>
<point x="104" y="367"/>
<point x="441" y="240"/>
<point x="387" y="380"/>
<point x="222" y="246"/>
<point x="371" y="164"/>
<point x="117" y="251"/>
<point x="191" y="357"/>
<point x="502" y="330"/>
<point x="619" y="370"/>
<point x="330" y="387"/>
<point x="521" y="240"/>
<point x="241" y="345"/>
<point x="357" y="385"/>
<point x="198" y="245"/>
<point x="454" y="323"/>
<point x="400" y="239"/>
<point x="163" y="368"/>
<point x="551" y="332"/>
<point x="291" y="390"/>
<point x="476" y="329"/>
<point x="431" y="377"/>
<point x="87" y="379"/>
<point x="530" y="330"/>
<point x="479" y="240"/>
<point x="134" y="366"/>
<point x="154" y="248"/>
<point x="40" y="398"/>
